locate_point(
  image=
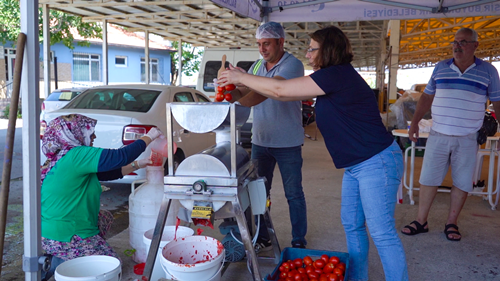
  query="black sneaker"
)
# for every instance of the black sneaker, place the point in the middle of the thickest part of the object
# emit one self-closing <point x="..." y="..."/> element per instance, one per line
<point x="262" y="245"/>
<point x="298" y="244"/>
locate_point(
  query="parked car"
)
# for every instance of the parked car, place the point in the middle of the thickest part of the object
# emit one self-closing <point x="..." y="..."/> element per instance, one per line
<point x="418" y="87"/>
<point x="59" y="98"/>
<point x="308" y="116"/>
<point x="125" y="113"/>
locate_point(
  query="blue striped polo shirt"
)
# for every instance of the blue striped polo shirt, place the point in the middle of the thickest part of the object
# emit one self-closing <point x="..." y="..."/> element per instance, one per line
<point x="460" y="98"/>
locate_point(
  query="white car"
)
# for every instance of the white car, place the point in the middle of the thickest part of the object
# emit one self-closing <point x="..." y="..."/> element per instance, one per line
<point x="127" y="112"/>
<point x="59" y="98"/>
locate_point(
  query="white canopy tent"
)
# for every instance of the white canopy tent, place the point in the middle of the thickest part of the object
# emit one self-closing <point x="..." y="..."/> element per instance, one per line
<point x="358" y="10"/>
<point x="286" y="11"/>
<point x="274" y="10"/>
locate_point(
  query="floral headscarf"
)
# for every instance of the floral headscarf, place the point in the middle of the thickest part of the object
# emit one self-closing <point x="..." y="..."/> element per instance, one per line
<point x="62" y="134"/>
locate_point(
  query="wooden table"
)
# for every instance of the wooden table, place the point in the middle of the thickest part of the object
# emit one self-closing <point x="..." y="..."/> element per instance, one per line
<point x="487" y="195"/>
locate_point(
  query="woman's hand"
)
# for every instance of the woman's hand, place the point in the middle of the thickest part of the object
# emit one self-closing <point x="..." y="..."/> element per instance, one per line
<point x="154" y="133"/>
<point x="142" y="163"/>
<point x="231" y="76"/>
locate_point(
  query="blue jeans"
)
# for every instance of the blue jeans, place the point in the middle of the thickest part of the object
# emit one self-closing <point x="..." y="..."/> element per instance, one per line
<point x="289" y="161"/>
<point x="369" y="192"/>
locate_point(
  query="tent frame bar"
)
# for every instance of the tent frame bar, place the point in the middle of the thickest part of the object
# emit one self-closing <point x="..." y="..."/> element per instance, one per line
<point x="434" y="10"/>
<point x="268" y="10"/>
<point x="438" y="9"/>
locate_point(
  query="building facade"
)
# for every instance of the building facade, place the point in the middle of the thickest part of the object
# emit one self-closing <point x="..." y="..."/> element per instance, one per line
<point x="82" y="66"/>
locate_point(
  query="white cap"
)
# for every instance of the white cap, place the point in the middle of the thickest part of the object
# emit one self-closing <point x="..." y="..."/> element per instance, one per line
<point x="270" y="30"/>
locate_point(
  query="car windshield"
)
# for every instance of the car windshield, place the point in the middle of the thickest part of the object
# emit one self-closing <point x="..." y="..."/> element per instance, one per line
<point x="137" y="100"/>
<point x="62" y="95"/>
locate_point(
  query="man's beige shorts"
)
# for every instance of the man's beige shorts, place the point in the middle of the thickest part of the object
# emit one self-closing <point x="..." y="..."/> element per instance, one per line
<point x="441" y="151"/>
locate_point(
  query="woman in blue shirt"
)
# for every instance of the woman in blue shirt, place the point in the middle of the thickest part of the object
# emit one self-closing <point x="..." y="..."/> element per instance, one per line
<point x="347" y="116"/>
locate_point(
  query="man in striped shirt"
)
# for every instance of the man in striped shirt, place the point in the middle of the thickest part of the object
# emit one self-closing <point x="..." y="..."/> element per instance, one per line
<point x="456" y="94"/>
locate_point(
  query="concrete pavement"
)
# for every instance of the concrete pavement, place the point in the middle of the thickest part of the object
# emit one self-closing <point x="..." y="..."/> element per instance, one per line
<point x="430" y="256"/>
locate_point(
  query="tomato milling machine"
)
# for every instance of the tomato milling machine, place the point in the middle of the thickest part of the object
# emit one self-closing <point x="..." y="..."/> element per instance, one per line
<point x="219" y="182"/>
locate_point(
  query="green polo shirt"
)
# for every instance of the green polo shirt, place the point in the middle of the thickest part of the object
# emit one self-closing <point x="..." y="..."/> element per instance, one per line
<point x="71" y="196"/>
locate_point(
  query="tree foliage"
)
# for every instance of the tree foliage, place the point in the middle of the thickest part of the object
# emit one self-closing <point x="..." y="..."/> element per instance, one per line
<point x="191" y="59"/>
<point x="60" y="25"/>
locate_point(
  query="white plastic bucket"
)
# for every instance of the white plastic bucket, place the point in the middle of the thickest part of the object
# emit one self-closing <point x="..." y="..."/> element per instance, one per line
<point x="193" y="258"/>
<point x="90" y="268"/>
<point x="168" y="235"/>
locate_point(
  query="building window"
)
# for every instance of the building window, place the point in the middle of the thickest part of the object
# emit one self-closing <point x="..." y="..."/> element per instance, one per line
<point x="120" y="61"/>
<point x="86" y="67"/>
<point x="153" y="70"/>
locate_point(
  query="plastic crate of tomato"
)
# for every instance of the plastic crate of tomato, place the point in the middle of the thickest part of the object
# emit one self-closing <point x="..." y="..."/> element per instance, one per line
<point x="291" y="254"/>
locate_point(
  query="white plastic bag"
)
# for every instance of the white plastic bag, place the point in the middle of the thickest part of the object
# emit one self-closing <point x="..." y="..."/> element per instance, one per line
<point x="425" y="125"/>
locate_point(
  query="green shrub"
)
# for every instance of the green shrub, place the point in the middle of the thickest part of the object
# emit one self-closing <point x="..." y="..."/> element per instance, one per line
<point x="6" y="112"/>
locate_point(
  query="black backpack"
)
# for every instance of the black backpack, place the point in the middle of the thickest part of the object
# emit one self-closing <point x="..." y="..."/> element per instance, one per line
<point x="489" y="128"/>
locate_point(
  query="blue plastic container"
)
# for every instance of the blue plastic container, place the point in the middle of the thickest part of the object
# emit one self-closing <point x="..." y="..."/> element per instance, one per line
<point x="293" y="253"/>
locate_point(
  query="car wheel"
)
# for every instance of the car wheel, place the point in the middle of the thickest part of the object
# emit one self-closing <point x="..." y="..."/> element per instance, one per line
<point x="177" y="161"/>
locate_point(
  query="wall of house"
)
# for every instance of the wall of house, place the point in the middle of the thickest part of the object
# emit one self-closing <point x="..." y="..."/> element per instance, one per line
<point x="116" y="74"/>
<point x="131" y="73"/>
<point x="3" y="78"/>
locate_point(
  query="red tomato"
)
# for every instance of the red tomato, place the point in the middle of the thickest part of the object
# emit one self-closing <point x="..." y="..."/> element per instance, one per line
<point x="308" y="260"/>
<point x="319" y="271"/>
<point x="221" y="89"/>
<point x="333" y="277"/>
<point x="219" y="97"/>
<point x="301" y="270"/>
<point x="230" y="87"/>
<point x="292" y="273"/>
<point x="309" y="269"/>
<point x="341" y="265"/>
<point x="229" y="97"/>
<point x="325" y="258"/>
<point x="323" y="278"/>
<point x="334" y="260"/>
<point x="328" y="268"/>
<point x="341" y="278"/>
<point x="313" y="275"/>
<point x="338" y="271"/>
<point x="283" y="275"/>
<point x="297" y="277"/>
<point x="298" y="261"/>
<point x="319" y="263"/>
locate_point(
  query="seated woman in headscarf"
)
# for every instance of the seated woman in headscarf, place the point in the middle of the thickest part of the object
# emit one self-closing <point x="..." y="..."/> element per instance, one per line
<point x="72" y="225"/>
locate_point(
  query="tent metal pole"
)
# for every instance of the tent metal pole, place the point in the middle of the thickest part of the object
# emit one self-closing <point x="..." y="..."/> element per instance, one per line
<point x="31" y="140"/>
<point x="46" y="49"/>
<point x="147" y="65"/>
<point x="105" y="60"/>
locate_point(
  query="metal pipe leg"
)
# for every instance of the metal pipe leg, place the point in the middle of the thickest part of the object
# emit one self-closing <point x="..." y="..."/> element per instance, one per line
<point x="272" y="236"/>
<point x="412" y="171"/>
<point x="246" y="239"/>
<point x="155" y="241"/>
